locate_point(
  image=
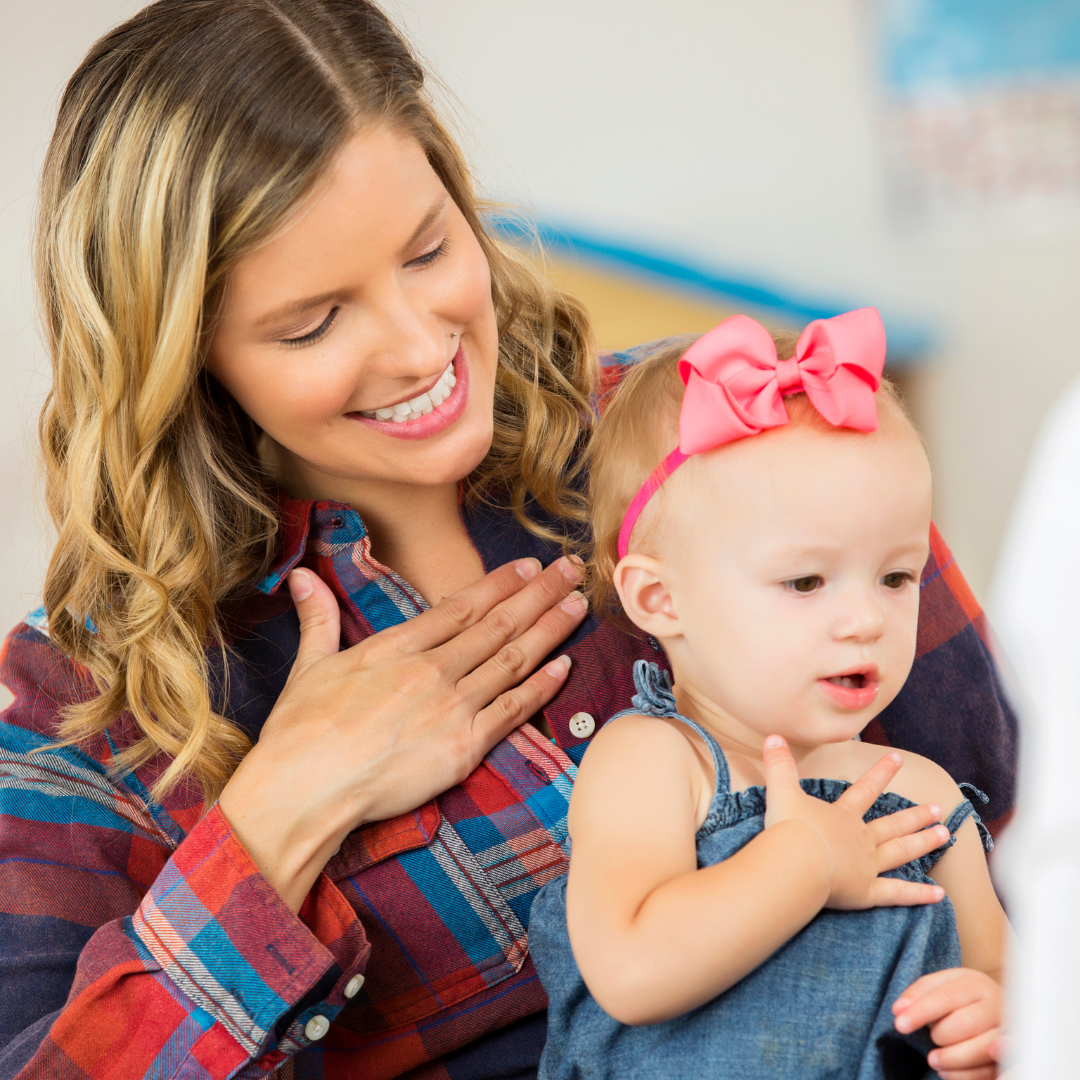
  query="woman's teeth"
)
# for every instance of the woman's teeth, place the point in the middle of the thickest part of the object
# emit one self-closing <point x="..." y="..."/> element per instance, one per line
<point x="420" y="405"/>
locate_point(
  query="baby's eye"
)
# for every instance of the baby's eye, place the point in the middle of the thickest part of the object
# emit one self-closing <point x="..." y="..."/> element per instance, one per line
<point x="805" y="584"/>
<point x="897" y="579"/>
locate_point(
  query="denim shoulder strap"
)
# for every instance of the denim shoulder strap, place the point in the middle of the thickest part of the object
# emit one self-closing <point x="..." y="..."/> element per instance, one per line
<point x="655" y="698"/>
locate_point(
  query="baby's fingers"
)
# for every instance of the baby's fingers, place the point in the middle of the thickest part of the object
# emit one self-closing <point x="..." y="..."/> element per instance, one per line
<point x="903" y="849"/>
<point x="972" y="1054"/>
<point x="935" y="997"/>
<point x="896" y="892"/>
<point x="865" y="791"/>
<point x="904" y="822"/>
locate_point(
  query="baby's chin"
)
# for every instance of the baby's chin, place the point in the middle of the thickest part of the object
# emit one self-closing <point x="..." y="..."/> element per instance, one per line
<point x="821" y="731"/>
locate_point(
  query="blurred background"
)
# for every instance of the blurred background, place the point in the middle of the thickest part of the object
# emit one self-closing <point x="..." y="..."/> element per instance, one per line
<point x="689" y="159"/>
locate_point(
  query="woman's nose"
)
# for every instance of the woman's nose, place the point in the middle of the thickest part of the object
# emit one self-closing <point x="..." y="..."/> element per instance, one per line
<point x="405" y="339"/>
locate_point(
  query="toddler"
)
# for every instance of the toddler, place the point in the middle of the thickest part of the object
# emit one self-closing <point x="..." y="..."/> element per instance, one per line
<point x="753" y="891"/>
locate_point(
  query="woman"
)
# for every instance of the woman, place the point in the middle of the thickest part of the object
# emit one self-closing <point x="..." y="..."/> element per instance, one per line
<point x="286" y="349"/>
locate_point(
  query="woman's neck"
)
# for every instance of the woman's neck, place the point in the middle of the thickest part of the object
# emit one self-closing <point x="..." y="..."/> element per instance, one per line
<point x="416" y="530"/>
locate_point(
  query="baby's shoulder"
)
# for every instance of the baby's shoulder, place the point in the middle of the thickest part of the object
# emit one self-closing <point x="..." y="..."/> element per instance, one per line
<point x="919" y="779"/>
<point x="643" y="732"/>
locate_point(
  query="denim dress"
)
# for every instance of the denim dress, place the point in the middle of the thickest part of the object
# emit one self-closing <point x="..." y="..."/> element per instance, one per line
<point x="817" y="1009"/>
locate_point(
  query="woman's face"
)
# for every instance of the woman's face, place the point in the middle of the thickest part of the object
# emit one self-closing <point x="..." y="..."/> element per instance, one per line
<point x="362" y="338"/>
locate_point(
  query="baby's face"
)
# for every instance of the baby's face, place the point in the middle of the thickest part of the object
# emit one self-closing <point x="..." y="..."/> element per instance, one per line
<point x="794" y="577"/>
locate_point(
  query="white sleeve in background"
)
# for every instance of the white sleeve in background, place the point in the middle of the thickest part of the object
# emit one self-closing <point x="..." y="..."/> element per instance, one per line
<point x="1035" y="609"/>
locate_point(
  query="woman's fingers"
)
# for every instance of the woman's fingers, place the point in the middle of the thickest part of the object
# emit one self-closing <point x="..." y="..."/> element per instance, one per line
<point x="896" y="892"/>
<point x="459" y="612"/>
<point x="320" y="619"/>
<point x="508" y="621"/>
<point x="865" y="791"/>
<point x="510" y="710"/>
<point x="903" y="849"/>
<point x="517" y="657"/>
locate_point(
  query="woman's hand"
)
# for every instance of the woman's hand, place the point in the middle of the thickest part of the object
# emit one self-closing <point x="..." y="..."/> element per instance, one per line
<point x="963" y="1009"/>
<point x="388" y="724"/>
<point x="856" y="853"/>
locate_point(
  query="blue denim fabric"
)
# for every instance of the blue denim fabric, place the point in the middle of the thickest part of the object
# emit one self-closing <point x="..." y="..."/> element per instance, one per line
<point x="817" y="1009"/>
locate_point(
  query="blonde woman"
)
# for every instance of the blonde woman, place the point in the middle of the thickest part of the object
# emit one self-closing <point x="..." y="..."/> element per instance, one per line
<point x="270" y="797"/>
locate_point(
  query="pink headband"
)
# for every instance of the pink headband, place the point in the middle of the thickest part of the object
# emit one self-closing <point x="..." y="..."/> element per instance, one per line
<point x="735" y="386"/>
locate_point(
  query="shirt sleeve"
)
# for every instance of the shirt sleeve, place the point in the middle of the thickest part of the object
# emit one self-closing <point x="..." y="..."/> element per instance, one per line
<point x="126" y="953"/>
<point x="953" y="708"/>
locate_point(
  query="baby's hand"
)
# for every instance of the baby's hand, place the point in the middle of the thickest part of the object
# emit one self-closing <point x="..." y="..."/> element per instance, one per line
<point x="856" y="853"/>
<point x="963" y="1009"/>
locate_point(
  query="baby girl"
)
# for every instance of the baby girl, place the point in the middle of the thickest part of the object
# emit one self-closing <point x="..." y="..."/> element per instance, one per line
<point x="753" y="891"/>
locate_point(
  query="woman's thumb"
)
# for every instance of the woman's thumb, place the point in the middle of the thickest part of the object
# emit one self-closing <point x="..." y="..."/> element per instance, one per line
<point x="780" y="769"/>
<point x="320" y="620"/>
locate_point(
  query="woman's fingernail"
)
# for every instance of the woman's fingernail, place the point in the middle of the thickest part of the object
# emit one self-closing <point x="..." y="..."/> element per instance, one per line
<point x="900" y="1004"/>
<point x="558" y="667"/>
<point x="527" y="568"/>
<point x="932" y="1059"/>
<point x="570" y="568"/>
<point x="935" y="810"/>
<point x="300" y="585"/>
<point x="773" y="741"/>
<point x="902" y="1023"/>
<point x="575" y="604"/>
<point x="897" y="759"/>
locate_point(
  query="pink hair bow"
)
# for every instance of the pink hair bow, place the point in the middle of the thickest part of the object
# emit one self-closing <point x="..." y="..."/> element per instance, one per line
<point x="735" y="386"/>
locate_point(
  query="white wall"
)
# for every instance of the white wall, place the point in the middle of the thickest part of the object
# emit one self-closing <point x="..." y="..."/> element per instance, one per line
<point x="746" y="133"/>
<point x="41" y="45"/>
<point x="741" y="132"/>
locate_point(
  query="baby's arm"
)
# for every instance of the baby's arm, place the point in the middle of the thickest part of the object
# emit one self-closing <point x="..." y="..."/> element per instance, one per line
<point x="962" y="1005"/>
<point x="654" y="936"/>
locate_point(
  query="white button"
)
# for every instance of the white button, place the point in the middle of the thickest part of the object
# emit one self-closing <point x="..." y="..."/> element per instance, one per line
<point x="582" y="725"/>
<point x="352" y="987"/>
<point x="316" y="1028"/>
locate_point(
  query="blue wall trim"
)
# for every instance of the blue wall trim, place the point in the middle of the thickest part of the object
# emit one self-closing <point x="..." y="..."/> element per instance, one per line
<point x="907" y="342"/>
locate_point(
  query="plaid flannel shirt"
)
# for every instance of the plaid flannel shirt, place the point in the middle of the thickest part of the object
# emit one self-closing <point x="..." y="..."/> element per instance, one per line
<point x="137" y="939"/>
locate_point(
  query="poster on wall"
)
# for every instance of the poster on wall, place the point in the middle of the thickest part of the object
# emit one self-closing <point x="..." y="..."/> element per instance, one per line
<point x="981" y="110"/>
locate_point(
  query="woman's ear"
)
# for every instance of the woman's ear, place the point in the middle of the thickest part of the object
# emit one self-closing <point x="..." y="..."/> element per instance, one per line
<point x="640" y="581"/>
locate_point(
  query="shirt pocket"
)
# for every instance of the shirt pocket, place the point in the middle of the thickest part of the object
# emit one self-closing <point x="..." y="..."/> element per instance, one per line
<point x="444" y="893"/>
<point x="440" y="928"/>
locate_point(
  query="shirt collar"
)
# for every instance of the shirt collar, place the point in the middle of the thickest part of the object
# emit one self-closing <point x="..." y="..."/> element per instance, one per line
<point x="294" y="516"/>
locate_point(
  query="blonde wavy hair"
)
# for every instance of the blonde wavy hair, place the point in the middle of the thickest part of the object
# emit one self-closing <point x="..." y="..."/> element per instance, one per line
<point x="184" y="139"/>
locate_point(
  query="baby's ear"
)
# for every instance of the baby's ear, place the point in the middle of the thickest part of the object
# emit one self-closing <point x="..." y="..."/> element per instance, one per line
<point x="640" y="581"/>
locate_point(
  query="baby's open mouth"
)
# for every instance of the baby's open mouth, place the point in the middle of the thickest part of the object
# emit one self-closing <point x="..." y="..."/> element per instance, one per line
<point x="849" y="682"/>
<point x="420" y="405"/>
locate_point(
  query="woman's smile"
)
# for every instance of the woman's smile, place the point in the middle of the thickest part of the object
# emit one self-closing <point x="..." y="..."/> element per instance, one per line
<point x="427" y="413"/>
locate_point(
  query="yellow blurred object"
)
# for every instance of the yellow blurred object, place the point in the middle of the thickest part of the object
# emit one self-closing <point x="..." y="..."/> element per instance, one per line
<point x="627" y="312"/>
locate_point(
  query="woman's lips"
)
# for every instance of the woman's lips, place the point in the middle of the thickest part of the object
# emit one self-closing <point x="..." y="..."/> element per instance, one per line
<point x="855" y="690"/>
<point x="439" y="419"/>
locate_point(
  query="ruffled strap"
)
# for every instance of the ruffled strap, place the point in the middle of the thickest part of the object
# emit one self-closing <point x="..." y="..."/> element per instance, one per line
<point x="655" y="697"/>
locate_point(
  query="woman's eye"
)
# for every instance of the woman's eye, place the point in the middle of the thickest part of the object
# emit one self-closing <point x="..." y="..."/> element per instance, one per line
<point x="805" y="584"/>
<point x="431" y="256"/>
<point x="314" y="335"/>
<point x="897" y="579"/>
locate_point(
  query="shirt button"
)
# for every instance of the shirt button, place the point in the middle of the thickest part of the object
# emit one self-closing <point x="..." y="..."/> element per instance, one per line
<point x="352" y="987"/>
<point x="316" y="1028"/>
<point x="582" y="725"/>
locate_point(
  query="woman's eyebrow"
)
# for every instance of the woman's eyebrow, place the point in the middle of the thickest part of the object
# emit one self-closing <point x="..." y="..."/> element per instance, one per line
<point x="295" y="308"/>
<point x="428" y="219"/>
